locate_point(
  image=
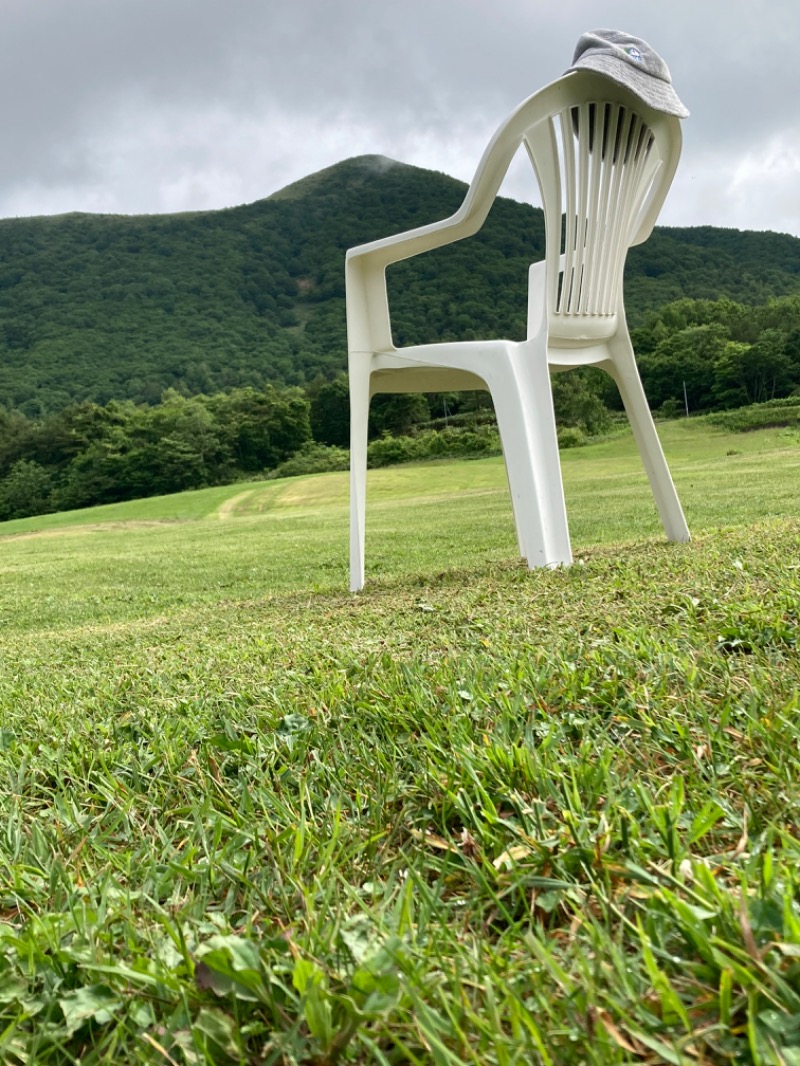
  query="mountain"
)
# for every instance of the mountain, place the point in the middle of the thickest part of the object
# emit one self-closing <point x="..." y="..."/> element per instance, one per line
<point x="122" y="307"/>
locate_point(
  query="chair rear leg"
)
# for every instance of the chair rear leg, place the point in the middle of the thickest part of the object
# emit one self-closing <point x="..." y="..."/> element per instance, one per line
<point x="359" y="418"/>
<point x="626" y="374"/>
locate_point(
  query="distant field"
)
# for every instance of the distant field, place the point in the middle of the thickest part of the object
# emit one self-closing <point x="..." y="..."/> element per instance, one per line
<point x="259" y="539"/>
<point x="475" y="814"/>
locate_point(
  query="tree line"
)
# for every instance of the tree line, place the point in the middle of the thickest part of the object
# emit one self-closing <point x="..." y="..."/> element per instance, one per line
<point x="89" y="454"/>
<point x="718" y="354"/>
<point x="707" y="355"/>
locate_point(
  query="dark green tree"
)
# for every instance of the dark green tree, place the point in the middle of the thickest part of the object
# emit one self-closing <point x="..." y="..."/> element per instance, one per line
<point x="577" y="397"/>
<point x="753" y="373"/>
<point x="330" y="413"/>
<point x="261" y="427"/>
<point x="25" y="490"/>
<point x="683" y="364"/>
<point x="397" y="413"/>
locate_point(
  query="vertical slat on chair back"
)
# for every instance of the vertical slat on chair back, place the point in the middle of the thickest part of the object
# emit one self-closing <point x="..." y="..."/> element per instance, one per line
<point x="600" y="169"/>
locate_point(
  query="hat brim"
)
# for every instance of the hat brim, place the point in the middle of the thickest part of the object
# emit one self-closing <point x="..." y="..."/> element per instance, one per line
<point x="655" y="92"/>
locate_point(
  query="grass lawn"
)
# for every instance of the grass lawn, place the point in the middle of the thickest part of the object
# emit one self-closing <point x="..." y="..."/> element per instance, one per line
<point x="474" y="814"/>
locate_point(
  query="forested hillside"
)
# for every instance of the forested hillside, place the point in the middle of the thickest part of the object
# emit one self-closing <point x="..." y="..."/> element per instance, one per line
<point x="121" y="308"/>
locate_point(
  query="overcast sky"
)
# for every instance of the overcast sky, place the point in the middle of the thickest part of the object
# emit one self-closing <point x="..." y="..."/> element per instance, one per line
<point x="133" y="106"/>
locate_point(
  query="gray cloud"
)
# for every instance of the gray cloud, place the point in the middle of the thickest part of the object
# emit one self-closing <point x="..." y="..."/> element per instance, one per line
<point x="164" y="105"/>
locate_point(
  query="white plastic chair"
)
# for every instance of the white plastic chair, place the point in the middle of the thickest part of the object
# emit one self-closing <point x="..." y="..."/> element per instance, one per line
<point x="604" y="162"/>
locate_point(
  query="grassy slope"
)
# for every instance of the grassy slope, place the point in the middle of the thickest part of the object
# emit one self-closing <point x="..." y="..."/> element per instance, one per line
<point x="476" y="814"/>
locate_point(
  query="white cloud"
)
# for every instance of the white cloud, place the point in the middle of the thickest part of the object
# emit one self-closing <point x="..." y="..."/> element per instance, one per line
<point x="757" y="189"/>
<point x="765" y="187"/>
<point x="160" y="105"/>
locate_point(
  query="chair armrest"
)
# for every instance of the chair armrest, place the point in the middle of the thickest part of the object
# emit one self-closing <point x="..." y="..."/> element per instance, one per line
<point x="662" y="182"/>
<point x="368" y="322"/>
<point x="400" y="246"/>
<point x="650" y="210"/>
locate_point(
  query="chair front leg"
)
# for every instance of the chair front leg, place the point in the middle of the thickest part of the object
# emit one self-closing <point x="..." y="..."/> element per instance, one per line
<point x="524" y="406"/>
<point x="359" y="421"/>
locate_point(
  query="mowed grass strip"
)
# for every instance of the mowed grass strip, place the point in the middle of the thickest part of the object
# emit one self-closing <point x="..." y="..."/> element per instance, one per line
<point x="478" y="814"/>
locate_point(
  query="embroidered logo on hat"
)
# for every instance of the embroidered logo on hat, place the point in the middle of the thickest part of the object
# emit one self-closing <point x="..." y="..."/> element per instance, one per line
<point x="634" y="53"/>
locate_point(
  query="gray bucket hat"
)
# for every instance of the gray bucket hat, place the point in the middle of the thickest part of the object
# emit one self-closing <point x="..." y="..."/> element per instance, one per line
<point x="631" y="62"/>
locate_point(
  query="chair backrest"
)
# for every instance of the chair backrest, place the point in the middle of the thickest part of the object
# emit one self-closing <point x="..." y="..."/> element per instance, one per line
<point x="604" y="162"/>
